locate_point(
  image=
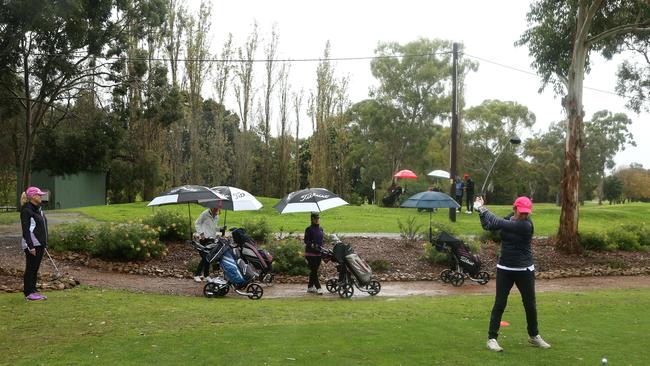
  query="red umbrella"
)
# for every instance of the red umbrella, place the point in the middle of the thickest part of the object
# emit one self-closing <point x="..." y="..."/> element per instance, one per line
<point x="405" y="174"/>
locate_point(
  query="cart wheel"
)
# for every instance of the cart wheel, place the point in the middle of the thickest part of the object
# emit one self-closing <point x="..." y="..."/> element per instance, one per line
<point x="256" y="291"/>
<point x="445" y="275"/>
<point x="457" y="279"/>
<point x="373" y="287"/>
<point x="332" y="285"/>
<point x="346" y="290"/>
<point x="223" y="290"/>
<point x="210" y="290"/>
<point x="483" y="278"/>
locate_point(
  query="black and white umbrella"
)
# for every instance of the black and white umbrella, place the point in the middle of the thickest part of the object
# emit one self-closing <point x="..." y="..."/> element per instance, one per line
<point x="309" y="200"/>
<point x="238" y="200"/>
<point x="187" y="194"/>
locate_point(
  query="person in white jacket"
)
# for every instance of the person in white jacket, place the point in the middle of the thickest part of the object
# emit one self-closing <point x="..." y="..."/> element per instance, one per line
<point x="207" y="228"/>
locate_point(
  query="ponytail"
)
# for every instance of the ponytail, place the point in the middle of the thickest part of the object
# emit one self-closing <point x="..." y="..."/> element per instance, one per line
<point x="23" y="199"/>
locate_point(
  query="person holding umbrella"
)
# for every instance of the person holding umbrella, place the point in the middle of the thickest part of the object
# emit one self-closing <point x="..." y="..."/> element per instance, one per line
<point x="207" y="227"/>
<point x="515" y="267"/>
<point x="313" y="243"/>
<point x="34" y="240"/>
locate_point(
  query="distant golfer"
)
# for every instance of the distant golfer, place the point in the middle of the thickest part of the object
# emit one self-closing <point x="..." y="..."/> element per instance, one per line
<point x="515" y="267"/>
<point x="34" y="240"/>
<point x="313" y="243"/>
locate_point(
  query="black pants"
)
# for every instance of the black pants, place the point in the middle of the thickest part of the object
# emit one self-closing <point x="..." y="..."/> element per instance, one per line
<point x="525" y="281"/>
<point x="204" y="266"/>
<point x="470" y="202"/>
<point x="459" y="200"/>
<point x="32" y="264"/>
<point x="314" y="264"/>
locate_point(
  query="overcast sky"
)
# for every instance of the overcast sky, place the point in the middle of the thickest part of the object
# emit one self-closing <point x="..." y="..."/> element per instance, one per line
<point x="488" y="30"/>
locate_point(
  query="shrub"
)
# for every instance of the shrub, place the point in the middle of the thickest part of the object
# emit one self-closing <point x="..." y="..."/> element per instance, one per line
<point x="74" y="237"/>
<point x="409" y="231"/>
<point x="380" y="265"/>
<point x="355" y="199"/>
<point x="192" y="264"/>
<point x="487" y="235"/>
<point x="618" y="263"/>
<point x="594" y="241"/>
<point x="623" y="239"/>
<point x="128" y="241"/>
<point x="643" y="232"/>
<point x="473" y="244"/>
<point x="288" y="257"/>
<point x="171" y="226"/>
<point x="432" y="255"/>
<point x="259" y="230"/>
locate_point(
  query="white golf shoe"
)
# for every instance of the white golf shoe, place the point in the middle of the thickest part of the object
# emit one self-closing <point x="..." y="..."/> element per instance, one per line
<point x="197" y="278"/>
<point x="493" y="345"/>
<point x="537" y="341"/>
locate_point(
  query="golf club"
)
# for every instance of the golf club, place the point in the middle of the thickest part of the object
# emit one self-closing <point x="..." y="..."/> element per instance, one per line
<point x="57" y="275"/>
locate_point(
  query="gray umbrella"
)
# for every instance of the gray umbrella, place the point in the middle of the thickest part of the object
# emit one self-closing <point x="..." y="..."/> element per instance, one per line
<point x="430" y="200"/>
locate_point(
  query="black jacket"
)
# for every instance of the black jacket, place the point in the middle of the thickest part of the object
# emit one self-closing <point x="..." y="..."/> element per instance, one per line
<point x="313" y="240"/>
<point x="516" y="236"/>
<point x="34" y="225"/>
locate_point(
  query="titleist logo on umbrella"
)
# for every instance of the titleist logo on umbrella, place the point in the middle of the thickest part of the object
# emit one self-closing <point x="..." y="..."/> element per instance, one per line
<point x="312" y="194"/>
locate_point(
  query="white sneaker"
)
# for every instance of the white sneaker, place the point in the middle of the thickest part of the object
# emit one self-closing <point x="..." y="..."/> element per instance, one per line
<point x="311" y="290"/>
<point x="493" y="345"/>
<point x="319" y="291"/>
<point x="197" y="278"/>
<point x="468" y="212"/>
<point x="537" y="341"/>
<point x="209" y="279"/>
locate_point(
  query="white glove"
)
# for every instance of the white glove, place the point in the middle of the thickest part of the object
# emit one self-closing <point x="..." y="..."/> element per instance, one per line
<point x="478" y="203"/>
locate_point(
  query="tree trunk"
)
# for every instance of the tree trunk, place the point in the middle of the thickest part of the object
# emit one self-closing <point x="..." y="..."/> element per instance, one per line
<point x="568" y="238"/>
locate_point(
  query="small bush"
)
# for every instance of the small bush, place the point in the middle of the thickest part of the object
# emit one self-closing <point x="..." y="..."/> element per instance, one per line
<point x="432" y="255"/>
<point x="623" y="239"/>
<point x="410" y="231"/>
<point x="355" y="199"/>
<point x="618" y="263"/>
<point x="473" y="244"/>
<point x="74" y="237"/>
<point x="192" y="264"/>
<point x="288" y="257"/>
<point x="642" y="232"/>
<point x="594" y="241"/>
<point x="259" y="230"/>
<point x="171" y="226"/>
<point x="129" y="241"/>
<point x="380" y="265"/>
<point x="487" y="235"/>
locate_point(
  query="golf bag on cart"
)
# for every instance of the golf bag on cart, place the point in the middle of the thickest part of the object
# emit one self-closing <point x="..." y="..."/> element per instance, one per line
<point x="260" y="259"/>
<point x="352" y="271"/>
<point x="393" y="195"/>
<point x="238" y="274"/>
<point x="461" y="260"/>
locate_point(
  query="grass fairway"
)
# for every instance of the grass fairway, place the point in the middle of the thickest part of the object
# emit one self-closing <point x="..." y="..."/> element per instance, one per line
<point x="369" y="219"/>
<point x="92" y="326"/>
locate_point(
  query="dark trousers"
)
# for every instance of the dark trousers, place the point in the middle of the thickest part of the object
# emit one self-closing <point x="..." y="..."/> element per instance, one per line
<point x="459" y="200"/>
<point x="525" y="281"/>
<point x="313" y="263"/>
<point x="470" y="202"/>
<point x="204" y="266"/>
<point x="32" y="264"/>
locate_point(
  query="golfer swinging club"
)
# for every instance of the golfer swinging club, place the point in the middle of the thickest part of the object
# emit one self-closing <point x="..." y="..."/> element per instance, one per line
<point x="515" y="267"/>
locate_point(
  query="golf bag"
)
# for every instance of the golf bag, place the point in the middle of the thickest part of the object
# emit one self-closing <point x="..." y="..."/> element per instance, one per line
<point x="393" y="195"/>
<point x="460" y="254"/>
<point x="260" y="259"/>
<point x="350" y="262"/>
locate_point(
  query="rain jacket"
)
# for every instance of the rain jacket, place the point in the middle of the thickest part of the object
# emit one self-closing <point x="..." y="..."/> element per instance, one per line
<point x="313" y="240"/>
<point x="207" y="224"/>
<point x="516" y="236"/>
<point x="34" y="226"/>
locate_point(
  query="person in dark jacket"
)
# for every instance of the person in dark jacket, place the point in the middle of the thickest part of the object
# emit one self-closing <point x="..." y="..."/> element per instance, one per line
<point x="515" y="267"/>
<point x="34" y="239"/>
<point x="313" y="243"/>
<point x="469" y="192"/>
<point x="459" y="187"/>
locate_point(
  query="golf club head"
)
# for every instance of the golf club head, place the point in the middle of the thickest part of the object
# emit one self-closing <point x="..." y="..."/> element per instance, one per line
<point x="57" y="275"/>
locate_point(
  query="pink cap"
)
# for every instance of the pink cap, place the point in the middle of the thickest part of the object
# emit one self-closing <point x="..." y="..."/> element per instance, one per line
<point x="523" y="204"/>
<point x="34" y="191"/>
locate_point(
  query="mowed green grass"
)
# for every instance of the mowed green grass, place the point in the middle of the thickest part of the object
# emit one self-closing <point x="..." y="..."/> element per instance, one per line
<point x="369" y="219"/>
<point x="105" y="327"/>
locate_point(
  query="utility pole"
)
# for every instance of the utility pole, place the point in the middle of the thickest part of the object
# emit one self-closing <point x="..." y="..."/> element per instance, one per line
<point x="454" y="130"/>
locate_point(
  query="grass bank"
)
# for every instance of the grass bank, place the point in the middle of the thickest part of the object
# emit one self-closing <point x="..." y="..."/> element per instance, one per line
<point x="103" y="327"/>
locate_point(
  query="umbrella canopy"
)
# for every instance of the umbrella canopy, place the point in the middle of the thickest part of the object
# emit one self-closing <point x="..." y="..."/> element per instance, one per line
<point x="439" y="174"/>
<point x="237" y="200"/>
<point x="309" y="200"/>
<point x="405" y="174"/>
<point x="430" y="199"/>
<point x="187" y="194"/>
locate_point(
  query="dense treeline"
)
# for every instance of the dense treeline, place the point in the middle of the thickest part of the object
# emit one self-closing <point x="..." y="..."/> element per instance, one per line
<point x="122" y="87"/>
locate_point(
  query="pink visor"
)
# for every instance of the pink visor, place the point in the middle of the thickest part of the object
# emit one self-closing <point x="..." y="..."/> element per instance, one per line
<point x="34" y="191"/>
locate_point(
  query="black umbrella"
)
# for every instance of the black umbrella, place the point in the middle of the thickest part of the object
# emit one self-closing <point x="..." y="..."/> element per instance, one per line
<point x="309" y="200"/>
<point x="187" y="194"/>
<point x="430" y="200"/>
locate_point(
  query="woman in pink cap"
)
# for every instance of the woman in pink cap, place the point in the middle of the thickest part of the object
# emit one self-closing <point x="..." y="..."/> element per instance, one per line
<point x="34" y="241"/>
<point x="515" y="267"/>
